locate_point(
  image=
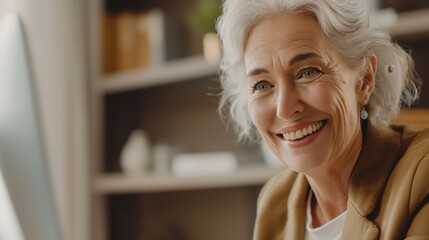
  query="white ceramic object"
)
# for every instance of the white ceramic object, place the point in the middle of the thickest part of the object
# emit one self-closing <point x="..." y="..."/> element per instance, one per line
<point x="135" y="156"/>
<point x="211" y="48"/>
<point x="161" y="157"/>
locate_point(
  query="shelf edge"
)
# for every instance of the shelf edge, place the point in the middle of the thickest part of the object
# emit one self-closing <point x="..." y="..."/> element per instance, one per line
<point x="109" y="184"/>
<point x="173" y="71"/>
<point x="411" y="23"/>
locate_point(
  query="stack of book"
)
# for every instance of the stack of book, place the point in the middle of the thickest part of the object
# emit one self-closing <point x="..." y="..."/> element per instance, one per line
<point x="134" y="40"/>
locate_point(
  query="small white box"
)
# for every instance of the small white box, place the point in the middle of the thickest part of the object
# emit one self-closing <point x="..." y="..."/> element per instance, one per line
<point x="203" y="164"/>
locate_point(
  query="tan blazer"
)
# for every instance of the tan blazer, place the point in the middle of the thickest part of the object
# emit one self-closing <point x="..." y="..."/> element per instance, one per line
<point x="388" y="193"/>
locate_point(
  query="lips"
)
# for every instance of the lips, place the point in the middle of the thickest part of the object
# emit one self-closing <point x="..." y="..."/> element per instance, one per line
<point x="303" y="132"/>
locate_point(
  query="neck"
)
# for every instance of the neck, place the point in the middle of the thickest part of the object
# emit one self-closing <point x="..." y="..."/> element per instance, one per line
<point x="330" y="186"/>
<point x="327" y="203"/>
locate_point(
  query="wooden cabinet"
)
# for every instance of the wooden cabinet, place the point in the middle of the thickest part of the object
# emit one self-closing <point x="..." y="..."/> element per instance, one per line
<point x="176" y="101"/>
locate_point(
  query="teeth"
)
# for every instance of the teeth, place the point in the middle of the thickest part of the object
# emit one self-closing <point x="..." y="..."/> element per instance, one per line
<point x="310" y="129"/>
<point x="286" y="136"/>
<point x="299" y="134"/>
<point x="303" y="132"/>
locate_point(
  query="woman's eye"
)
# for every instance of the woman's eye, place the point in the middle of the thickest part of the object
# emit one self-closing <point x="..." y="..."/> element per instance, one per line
<point x="261" y="86"/>
<point x="308" y="72"/>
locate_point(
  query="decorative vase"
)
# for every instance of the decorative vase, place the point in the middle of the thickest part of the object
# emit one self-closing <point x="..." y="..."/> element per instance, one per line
<point x="211" y="48"/>
<point x="135" y="155"/>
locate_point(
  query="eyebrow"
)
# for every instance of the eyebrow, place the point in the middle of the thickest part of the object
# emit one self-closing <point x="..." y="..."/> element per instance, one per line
<point x="302" y="57"/>
<point x="257" y="71"/>
<point x="298" y="58"/>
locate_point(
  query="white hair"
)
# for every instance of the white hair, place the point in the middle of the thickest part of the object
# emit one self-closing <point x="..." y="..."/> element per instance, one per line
<point x="346" y="24"/>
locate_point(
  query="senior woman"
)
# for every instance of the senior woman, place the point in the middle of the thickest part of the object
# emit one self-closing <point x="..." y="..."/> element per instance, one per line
<point x="319" y="83"/>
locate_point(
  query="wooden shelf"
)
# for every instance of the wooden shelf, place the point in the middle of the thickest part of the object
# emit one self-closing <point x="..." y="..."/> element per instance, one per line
<point x="414" y="117"/>
<point x="173" y="71"/>
<point x="122" y="184"/>
<point x="412" y="24"/>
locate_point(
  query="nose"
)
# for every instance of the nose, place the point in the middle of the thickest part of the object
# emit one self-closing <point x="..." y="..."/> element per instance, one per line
<point x="289" y="102"/>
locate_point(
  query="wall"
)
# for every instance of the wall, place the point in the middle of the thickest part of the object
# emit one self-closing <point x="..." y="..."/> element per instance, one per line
<point x="55" y="32"/>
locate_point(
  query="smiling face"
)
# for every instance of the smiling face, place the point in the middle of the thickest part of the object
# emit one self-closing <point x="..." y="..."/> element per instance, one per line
<point x="303" y="97"/>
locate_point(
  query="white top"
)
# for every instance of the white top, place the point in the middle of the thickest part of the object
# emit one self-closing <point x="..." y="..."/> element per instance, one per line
<point x="330" y="231"/>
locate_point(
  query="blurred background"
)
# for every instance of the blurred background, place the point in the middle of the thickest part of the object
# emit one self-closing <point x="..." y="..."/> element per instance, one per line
<point x="128" y="92"/>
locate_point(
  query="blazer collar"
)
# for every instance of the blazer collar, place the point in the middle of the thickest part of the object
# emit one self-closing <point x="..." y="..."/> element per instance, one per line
<point x="295" y="227"/>
<point x="378" y="157"/>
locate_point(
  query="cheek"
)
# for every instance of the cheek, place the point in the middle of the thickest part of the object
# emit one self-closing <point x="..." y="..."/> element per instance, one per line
<point x="340" y="103"/>
<point x="261" y="113"/>
<point x="332" y="95"/>
<point x="323" y="97"/>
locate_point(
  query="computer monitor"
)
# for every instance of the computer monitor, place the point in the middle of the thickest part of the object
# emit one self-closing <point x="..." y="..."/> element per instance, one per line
<point x="25" y="186"/>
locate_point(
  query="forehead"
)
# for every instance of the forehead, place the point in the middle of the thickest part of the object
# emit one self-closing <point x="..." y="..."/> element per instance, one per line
<point x="285" y="35"/>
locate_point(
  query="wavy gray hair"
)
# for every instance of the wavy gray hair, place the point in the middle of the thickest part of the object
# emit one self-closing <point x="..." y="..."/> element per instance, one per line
<point x="346" y="24"/>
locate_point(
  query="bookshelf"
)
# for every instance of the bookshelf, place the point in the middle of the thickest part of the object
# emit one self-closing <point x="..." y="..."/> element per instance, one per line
<point x="176" y="100"/>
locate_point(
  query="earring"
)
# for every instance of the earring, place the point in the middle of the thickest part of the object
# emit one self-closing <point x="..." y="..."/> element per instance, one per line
<point x="364" y="114"/>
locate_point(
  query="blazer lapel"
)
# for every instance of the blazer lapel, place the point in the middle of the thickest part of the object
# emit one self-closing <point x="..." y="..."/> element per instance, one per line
<point x="379" y="155"/>
<point x="295" y="224"/>
<point x="358" y="227"/>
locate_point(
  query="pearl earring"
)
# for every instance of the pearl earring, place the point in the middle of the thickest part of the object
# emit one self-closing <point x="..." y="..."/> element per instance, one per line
<point x="364" y="114"/>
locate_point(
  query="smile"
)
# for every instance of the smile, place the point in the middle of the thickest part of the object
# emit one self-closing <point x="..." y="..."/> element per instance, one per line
<point x="304" y="132"/>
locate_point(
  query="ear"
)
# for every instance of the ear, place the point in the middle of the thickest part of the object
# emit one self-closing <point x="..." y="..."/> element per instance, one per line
<point x="366" y="85"/>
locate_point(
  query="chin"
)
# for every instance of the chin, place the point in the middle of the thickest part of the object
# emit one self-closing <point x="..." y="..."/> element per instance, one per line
<point x="303" y="163"/>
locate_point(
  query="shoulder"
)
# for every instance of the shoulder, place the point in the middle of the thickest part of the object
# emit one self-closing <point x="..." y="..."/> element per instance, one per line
<point x="280" y="180"/>
<point x="284" y="192"/>
<point x="278" y="184"/>
<point x="415" y="146"/>
<point x="278" y="189"/>
<point x="413" y="138"/>
<point x="414" y="163"/>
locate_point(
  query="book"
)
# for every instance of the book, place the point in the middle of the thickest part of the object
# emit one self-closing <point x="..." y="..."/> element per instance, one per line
<point x="125" y="32"/>
<point x="156" y="29"/>
<point x="159" y="38"/>
<point x="133" y="40"/>
<point x="108" y="43"/>
<point x="142" y="45"/>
